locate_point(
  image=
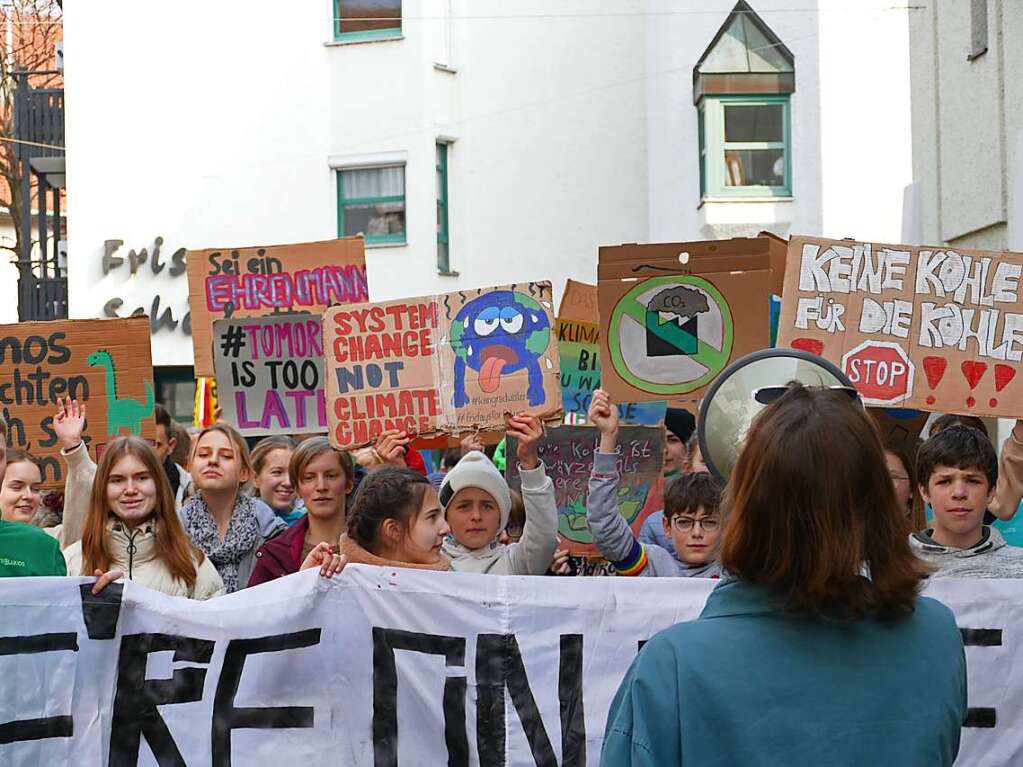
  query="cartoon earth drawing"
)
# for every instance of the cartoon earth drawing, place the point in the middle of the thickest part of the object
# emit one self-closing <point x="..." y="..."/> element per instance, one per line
<point x="121" y="413"/>
<point x="670" y="335"/>
<point x="572" y="516"/>
<point x="496" y="334"/>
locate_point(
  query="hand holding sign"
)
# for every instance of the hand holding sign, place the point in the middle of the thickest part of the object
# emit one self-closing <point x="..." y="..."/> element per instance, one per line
<point x="392" y="446"/>
<point x="527" y="431"/>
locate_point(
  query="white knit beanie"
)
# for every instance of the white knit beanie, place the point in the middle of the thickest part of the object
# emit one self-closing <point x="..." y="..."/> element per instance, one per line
<point x="476" y="470"/>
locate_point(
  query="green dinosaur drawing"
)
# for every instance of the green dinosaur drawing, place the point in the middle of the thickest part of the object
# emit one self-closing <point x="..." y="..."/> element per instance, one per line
<point x="121" y="413"/>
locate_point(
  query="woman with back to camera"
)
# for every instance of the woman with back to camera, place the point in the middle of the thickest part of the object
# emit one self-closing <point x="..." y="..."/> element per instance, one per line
<point x="817" y="648"/>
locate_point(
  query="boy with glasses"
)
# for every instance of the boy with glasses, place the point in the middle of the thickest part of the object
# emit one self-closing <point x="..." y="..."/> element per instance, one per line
<point x="692" y="520"/>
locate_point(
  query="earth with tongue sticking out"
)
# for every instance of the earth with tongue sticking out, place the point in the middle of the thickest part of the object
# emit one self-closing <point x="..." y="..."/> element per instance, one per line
<point x="494" y="358"/>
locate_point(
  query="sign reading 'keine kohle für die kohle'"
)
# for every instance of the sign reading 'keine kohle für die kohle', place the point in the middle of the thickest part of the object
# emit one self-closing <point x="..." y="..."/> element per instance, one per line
<point x="931" y="328"/>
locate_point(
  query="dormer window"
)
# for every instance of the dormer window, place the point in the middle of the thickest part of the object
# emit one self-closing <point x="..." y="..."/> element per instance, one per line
<point x="741" y="88"/>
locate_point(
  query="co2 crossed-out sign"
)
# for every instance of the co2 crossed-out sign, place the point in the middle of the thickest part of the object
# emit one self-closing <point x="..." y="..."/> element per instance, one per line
<point x="670" y="335"/>
<point x="881" y="371"/>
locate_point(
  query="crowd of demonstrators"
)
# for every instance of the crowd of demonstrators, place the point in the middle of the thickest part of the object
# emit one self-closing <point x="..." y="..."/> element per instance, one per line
<point x="691" y="519"/>
<point x="251" y="518"/>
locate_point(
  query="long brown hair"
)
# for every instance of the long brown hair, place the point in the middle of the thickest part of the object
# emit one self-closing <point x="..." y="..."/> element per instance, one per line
<point x="173" y="546"/>
<point x="811" y="510"/>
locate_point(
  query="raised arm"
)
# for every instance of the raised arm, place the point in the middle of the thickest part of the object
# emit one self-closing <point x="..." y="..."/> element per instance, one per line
<point x="532" y="554"/>
<point x="1009" y="489"/>
<point x="68" y="425"/>
<point x="611" y="533"/>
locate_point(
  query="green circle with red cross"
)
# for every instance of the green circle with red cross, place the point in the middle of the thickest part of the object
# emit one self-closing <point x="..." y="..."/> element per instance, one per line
<point x="670" y="335"/>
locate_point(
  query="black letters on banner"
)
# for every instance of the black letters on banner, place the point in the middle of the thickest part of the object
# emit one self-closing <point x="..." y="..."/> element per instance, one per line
<point x="136" y="698"/>
<point x="499" y="665"/>
<point x="981" y="717"/>
<point x="226" y="717"/>
<point x="385" y="693"/>
<point x="47" y="727"/>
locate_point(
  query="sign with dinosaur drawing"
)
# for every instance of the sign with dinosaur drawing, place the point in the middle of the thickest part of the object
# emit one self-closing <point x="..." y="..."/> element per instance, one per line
<point x="271" y="280"/>
<point x="105" y="364"/>
<point x="674" y="315"/>
<point x="442" y="364"/>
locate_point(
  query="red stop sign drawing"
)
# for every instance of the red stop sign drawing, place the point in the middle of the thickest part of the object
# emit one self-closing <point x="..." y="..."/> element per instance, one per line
<point x="881" y="372"/>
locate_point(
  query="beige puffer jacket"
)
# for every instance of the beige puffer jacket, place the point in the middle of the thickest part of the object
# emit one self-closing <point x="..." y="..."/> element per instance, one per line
<point x="134" y="552"/>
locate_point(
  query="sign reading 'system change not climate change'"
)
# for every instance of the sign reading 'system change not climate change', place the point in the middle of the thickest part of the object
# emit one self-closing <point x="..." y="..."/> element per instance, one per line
<point x="440" y="364"/>
<point x="930" y="328"/>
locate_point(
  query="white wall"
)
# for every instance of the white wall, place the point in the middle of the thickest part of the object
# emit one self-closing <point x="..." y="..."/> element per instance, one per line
<point x="214" y="124"/>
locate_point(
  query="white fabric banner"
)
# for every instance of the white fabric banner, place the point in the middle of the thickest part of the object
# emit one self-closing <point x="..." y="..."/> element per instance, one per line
<point x="383" y="667"/>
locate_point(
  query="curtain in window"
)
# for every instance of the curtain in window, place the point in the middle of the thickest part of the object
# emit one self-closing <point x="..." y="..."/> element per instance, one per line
<point x="373" y="182"/>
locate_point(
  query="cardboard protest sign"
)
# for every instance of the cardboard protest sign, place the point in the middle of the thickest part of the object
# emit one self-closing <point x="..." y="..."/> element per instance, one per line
<point x="274" y="279"/>
<point x="578" y="333"/>
<point x="674" y="315"/>
<point x="105" y="364"/>
<point x="567" y="454"/>
<point x="929" y="328"/>
<point x="270" y="374"/>
<point x="447" y="364"/>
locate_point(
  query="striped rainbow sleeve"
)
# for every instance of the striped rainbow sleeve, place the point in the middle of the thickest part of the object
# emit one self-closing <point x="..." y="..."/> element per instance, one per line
<point x="633" y="564"/>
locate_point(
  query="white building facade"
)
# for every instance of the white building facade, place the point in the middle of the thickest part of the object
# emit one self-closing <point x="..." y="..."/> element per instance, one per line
<point x="473" y="142"/>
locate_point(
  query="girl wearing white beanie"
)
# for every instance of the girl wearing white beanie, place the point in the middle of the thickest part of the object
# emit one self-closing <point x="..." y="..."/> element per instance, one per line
<point x="477" y="502"/>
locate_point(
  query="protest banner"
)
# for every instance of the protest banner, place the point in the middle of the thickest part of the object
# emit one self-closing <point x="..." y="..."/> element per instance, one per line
<point x="270" y="374"/>
<point x="105" y="364"/>
<point x="385" y="667"/>
<point x="567" y="453"/>
<point x="674" y="315"/>
<point x="304" y="278"/>
<point x="443" y="364"/>
<point x="928" y="328"/>
<point x="578" y="332"/>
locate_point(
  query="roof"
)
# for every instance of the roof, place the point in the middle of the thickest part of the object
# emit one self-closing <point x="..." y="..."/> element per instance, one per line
<point x="745" y="44"/>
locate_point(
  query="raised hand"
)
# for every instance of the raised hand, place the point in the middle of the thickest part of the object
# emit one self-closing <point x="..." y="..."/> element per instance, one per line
<point x="604" y="415"/>
<point x="69" y="423"/>
<point x="527" y="431"/>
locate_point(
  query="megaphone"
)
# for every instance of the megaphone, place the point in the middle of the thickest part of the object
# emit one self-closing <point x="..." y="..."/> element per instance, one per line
<point x="745" y="388"/>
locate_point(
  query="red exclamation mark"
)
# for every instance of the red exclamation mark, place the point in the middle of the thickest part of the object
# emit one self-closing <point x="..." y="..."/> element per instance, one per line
<point x="1003" y="375"/>
<point x="934" y="369"/>
<point x="973" y="371"/>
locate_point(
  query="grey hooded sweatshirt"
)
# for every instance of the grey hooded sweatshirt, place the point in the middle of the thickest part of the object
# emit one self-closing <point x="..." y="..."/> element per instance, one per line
<point x="991" y="557"/>
<point x="613" y="536"/>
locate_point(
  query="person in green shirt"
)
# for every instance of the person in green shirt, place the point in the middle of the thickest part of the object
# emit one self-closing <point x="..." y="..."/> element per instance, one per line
<point x="25" y="550"/>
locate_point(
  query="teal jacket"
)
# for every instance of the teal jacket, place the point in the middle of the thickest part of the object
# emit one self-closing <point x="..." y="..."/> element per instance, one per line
<point x="746" y="685"/>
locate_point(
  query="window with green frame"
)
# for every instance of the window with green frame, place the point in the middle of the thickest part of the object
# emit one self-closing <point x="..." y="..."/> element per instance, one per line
<point x="745" y="146"/>
<point x="371" y="202"/>
<point x="366" y="19"/>
<point x="443" y="240"/>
